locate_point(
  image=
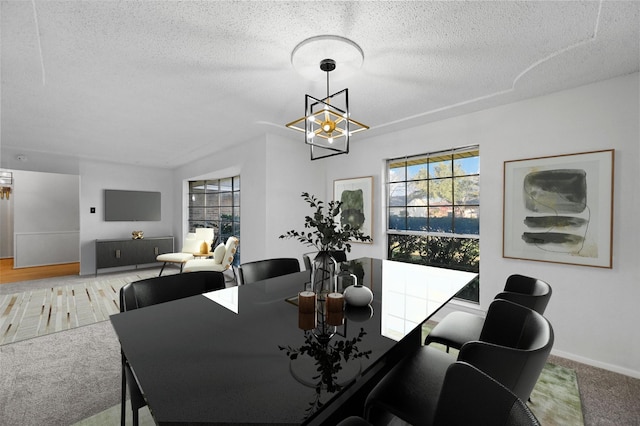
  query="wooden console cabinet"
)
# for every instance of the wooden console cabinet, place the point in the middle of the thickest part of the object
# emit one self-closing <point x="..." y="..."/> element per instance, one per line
<point x="115" y="253"/>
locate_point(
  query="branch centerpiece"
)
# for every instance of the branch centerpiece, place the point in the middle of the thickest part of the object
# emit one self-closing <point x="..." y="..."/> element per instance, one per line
<point x="324" y="231"/>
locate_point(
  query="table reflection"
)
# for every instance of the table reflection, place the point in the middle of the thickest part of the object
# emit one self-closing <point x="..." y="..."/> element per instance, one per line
<point x="327" y="360"/>
<point x="226" y="297"/>
<point x="411" y="293"/>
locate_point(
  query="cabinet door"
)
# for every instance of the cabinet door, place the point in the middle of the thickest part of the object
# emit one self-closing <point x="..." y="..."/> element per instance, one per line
<point x="110" y="254"/>
<point x="148" y="249"/>
<point x="164" y="245"/>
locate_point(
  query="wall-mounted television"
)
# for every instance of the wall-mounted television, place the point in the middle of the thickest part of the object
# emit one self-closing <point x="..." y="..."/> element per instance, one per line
<point x="120" y="205"/>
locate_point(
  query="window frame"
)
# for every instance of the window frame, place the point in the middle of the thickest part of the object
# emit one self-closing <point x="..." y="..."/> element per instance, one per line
<point x="425" y="237"/>
<point x="222" y="216"/>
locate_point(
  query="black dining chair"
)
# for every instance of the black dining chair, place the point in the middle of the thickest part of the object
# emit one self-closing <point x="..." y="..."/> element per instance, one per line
<point x="259" y="270"/>
<point x="152" y="291"/>
<point x="457" y="328"/>
<point x="513" y="348"/>
<point x="470" y="397"/>
<point x="354" y="421"/>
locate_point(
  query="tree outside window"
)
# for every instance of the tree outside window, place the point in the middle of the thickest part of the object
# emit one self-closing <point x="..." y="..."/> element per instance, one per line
<point x="434" y="211"/>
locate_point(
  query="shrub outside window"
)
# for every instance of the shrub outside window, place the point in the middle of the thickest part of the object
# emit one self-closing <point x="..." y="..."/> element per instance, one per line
<point x="433" y="211"/>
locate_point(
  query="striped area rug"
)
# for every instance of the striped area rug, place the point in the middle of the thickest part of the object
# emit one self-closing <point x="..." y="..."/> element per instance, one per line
<point x="42" y="311"/>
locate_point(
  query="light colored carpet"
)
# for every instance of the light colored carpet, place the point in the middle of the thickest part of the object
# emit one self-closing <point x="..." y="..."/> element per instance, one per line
<point x="60" y="378"/>
<point x="78" y="302"/>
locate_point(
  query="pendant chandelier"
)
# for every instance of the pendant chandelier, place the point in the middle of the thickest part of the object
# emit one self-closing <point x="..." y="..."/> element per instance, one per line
<point x="326" y="123"/>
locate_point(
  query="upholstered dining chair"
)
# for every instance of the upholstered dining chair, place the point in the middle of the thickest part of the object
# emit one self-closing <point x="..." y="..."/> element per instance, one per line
<point x="457" y="328"/>
<point x="354" y="421"/>
<point x="514" y="345"/>
<point x="152" y="291"/>
<point x="470" y="397"/>
<point x="251" y="272"/>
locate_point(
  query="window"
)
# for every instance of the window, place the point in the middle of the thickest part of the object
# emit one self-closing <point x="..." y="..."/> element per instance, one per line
<point x="433" y="211"/>
<point x="216" y="204"/>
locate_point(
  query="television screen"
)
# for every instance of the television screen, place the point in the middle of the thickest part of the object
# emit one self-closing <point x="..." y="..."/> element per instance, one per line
<point x="122" y="205"/>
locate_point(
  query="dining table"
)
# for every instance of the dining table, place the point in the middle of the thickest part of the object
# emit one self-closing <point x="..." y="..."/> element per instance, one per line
<point x="254" y="354"/>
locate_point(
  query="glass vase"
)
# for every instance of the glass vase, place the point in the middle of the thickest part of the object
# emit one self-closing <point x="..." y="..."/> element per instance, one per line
<point x="324" y="269"/>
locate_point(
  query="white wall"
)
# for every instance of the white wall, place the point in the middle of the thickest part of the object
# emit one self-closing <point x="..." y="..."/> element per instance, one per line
<point x="95" y="178"/>
<point x="594" y="311"/>
<point x="46" y="222"/>
<point x="273" y="170"/>
<point x="290" y="172"/>
<point x="6" y="227"/>
<point x="248" y="161"/>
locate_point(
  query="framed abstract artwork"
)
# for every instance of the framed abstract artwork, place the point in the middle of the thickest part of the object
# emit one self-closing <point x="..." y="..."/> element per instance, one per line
<point x="560" y="209"/>
<point x="356" y="196"/>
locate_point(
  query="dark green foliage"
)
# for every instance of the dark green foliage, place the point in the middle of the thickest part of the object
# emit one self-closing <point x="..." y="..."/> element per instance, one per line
<point x="322" y="230"/>
<point x="328" y="355"/>
<point x="445" y="252"/>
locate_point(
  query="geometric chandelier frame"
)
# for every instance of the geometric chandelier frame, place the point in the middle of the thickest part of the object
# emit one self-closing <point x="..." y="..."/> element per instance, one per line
<point x="326" y="123"/>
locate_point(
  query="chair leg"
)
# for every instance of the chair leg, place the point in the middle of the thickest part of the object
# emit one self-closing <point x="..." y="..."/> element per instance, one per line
<point x="123" y="405"/>
<point x="181" y="267"/>
<point x="162" y="269"/>
<point x="235" y="276"/>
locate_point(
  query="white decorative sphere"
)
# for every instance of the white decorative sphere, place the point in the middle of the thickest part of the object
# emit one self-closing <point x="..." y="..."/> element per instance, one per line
<point x="358" y="295"/>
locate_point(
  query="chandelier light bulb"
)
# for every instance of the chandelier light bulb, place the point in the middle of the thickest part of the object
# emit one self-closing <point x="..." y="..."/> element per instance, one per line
<point x="330" y="140"/>
<point x="310" y="135"/>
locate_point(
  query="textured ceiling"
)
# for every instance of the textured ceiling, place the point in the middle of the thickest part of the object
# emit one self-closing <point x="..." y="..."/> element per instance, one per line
<point x="163" y="83"/>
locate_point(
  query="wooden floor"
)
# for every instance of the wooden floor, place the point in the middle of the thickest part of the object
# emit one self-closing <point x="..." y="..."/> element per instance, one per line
<point x="10" y="275"/>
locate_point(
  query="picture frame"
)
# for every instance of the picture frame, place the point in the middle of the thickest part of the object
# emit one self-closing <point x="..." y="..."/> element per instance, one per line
<point x="356" y="195"/>
<point x="559" y="209"/>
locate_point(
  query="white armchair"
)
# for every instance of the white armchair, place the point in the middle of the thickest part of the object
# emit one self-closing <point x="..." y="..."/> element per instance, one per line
<point x="223" y="256"/>
<point x="193" y="244"/>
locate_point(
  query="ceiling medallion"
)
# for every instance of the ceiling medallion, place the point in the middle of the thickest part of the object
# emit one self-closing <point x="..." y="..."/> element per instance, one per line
<point x="327" y="124"/>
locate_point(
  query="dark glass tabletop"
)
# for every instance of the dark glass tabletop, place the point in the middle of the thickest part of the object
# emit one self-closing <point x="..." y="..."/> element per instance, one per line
<point x="245" y="354"/>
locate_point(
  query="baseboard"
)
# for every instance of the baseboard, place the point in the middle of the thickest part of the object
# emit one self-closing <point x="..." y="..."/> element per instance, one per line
<point x="40" y="265"/>
<point x="597" y="364"/>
